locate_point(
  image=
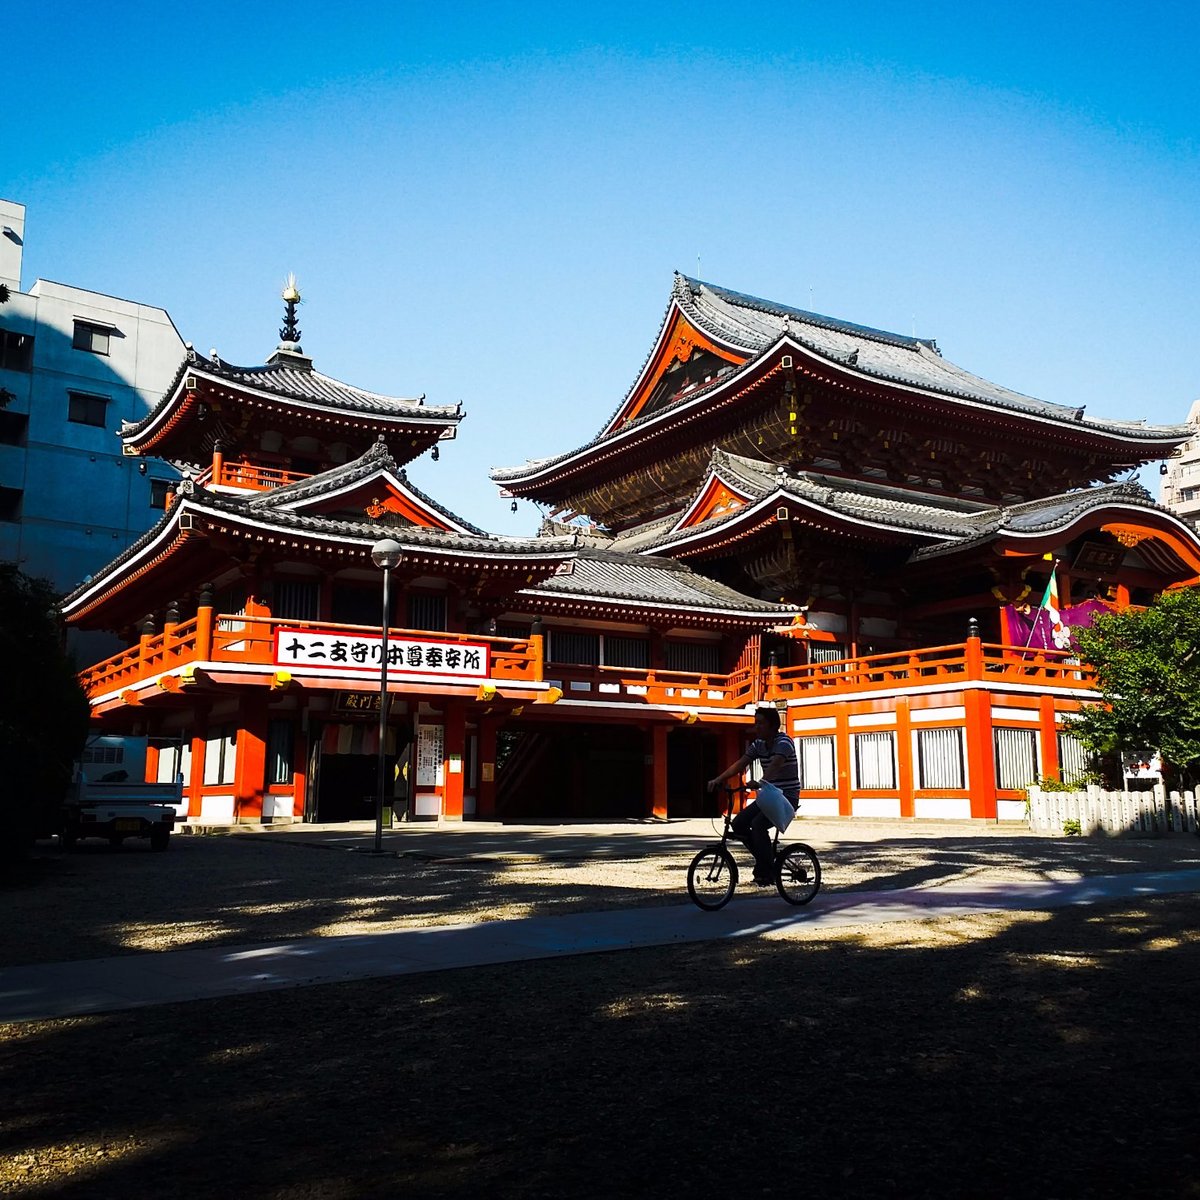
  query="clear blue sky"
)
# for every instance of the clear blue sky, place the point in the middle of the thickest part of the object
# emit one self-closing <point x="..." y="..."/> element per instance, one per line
<point x="486" y="202"/>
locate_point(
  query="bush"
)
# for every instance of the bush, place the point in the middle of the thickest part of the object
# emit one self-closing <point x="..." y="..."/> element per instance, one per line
<point x="43" y="710"/>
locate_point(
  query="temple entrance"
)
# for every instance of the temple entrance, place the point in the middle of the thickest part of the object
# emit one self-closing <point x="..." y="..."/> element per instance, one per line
<point x="691" y="763"/>
<point x="348" y="787"/>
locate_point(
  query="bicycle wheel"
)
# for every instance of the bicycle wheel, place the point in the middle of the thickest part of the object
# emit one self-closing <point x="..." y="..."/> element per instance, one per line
<point x="798" y="874"/>
<point x="712" y="877"/>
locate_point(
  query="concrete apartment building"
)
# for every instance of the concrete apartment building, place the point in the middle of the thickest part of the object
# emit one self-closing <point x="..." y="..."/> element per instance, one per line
<point x="74" y="364"/>
<point x="1181" y="475"/>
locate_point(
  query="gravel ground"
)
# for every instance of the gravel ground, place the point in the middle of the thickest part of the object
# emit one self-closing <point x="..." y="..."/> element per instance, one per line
<point x="1050" y="1055"/>
<point x="305" y="882"/>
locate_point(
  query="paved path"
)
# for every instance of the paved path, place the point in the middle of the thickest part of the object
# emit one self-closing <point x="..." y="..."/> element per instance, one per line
<point x="132" y="981"/>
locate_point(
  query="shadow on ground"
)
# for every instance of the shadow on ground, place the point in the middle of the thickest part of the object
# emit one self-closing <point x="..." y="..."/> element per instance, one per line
<point x="1014" y="1054"/>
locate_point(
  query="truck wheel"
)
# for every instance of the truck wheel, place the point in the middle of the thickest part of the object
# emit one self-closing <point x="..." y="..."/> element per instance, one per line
<point x="160" y="839"/>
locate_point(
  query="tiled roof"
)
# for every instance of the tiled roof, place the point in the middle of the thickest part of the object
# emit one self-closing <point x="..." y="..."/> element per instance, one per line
<point x="294" y="381"/>
<point x="754" y="326"/>
<point x="377" y="461"/>
<point x="610" y="575"/>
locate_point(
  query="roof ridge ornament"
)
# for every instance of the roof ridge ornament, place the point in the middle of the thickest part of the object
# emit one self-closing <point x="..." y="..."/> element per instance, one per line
<point x="289" y="352"/>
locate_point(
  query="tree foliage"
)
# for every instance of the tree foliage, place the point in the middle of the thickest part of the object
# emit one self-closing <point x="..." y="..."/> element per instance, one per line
<point x="1148" y="665"/>
<point x="43" y="710"/>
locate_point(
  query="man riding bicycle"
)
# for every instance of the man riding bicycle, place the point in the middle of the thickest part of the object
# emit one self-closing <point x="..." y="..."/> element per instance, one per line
<point x="780" y="774"/>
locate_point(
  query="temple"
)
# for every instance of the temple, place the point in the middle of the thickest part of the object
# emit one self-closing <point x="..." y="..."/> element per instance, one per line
<point x="783" y="509"/>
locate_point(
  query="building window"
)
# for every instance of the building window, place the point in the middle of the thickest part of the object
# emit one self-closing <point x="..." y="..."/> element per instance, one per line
<point x="84" y="408"/>
<point x="569" y="647"/>
<point x="815" y="758"/>
<point x="92" y="338"/>
<point x="297" y="600"/>
<point x="16" y="350"/>
<point x="940" y="759"/>
<point x="626" y="652"/>
<point x="12" y="428"/>
<point x="220" y="754"/>
<point x="160" y="489"/>
<point x="700" y="658"/>
<point x="426" y="611"/>
<point x="10" y="503"/>
<point x="281" y="737"/>
<point x="1016" y="758"/>
<point x="174" y="759"/>
<point x="109" y="756"/>
<point x="874" y="760"/>
<point x="1075" y="763"/>
<point x="355" y="605"/>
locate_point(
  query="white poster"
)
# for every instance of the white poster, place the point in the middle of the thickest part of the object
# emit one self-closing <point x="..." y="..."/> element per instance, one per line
<point x="430" y="744"/>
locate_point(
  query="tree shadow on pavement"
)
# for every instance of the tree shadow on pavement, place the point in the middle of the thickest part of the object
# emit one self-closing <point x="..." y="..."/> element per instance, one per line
<point x="1032" y="1054"/>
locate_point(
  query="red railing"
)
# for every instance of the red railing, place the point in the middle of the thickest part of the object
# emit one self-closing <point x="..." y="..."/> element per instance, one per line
<point x="250" y="639"/>
<point x="250" y="476"/>
<point x="972" y="661"/>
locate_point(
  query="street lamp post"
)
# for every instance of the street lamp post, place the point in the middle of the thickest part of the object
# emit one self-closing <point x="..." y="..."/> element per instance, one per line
<point x="385" y="554"/>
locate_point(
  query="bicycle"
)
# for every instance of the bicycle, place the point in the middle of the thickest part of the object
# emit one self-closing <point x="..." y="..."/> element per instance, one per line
<point x="713" y="875"/>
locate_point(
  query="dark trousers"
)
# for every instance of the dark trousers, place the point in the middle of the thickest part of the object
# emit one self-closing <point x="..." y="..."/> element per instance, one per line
<point x="753" y="830"/>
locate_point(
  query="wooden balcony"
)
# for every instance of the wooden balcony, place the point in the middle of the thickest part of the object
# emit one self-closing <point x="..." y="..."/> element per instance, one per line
<point x="248" y="477"/>
<point x="232" y="641"/>
<point x="971" y="662"/>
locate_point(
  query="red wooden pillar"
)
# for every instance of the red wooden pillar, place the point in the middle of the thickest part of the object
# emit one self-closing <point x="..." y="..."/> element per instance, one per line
<point x="1048" y="733"/>
<point x="151" y="762"/>
<point x="194" y="785"/>
<point x="250" y="763"/>
<point x="981" y="761"/>
<point x="300" y="752"/>
<point x="485" y="793"/>
<point x="842" y="754"/>
<point x="455" y="747"/>
<point x="904" y="758"/>
<point x="655" y="789"/>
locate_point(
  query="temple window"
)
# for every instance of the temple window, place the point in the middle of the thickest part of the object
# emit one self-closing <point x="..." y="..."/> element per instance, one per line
<point x="86" y="408"/>
<point x="91" y="337"/>
<point x="16" y="350"/>
<point x="823" y="652"/>
<point x="281" y="737"/>
<point x="174" y="758"/>
<point x="817" y="762"/>
<point x="567" y="646"/>
<point x="1016" y="758"/>
<point x="160" y="489"/>
<point x="426" y="611"/>
<point x="940" y="762"/>
<point x="220" y="754"/>
<point x="355" y="605"/>
<point x="702" y="658"/>
<point x="626" y="652"/>
<point x="874" y="760"/>
<point x="1075" y="762"/>
<point x="297" y="600"/>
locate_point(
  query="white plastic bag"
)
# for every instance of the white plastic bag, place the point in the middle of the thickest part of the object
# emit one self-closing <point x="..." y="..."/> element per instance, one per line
<point x="776" y="807"/>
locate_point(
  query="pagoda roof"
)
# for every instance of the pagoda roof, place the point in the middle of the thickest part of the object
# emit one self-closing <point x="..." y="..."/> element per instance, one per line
<point x="640" y="588"/>
<point x="377" y="464"/>
<point x="289" y="521"/>
<point x="755" y="335"/>
<point x="289" y="384"/>
<point x="933" y="526"/>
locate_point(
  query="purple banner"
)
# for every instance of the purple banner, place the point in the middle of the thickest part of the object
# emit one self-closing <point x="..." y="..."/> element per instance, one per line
<point x="1045" y="629"/>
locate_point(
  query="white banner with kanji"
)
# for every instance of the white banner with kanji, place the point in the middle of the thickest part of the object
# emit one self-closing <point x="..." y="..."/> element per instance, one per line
<point x="332" y="651"/>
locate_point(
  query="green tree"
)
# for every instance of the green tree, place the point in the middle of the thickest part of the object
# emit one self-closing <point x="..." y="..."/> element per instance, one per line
<point x="1148" y="665"/>
<point x="43" y="710"/>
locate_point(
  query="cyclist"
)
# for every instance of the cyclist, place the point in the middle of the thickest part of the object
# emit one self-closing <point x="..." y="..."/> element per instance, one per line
<point x="780" y="772"/>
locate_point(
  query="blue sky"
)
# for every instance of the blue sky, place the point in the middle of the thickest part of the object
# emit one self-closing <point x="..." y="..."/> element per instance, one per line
<point x="486" y="202"/>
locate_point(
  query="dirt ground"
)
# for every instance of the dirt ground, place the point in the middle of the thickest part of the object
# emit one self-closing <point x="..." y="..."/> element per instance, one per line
<point x="1047" y="1054"/>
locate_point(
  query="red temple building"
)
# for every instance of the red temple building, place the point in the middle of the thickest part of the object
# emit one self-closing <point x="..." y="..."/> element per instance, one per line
<point x="785" y="508"/>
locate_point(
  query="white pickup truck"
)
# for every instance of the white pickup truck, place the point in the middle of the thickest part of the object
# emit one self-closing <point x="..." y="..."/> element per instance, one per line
<point x="119" y="810"/>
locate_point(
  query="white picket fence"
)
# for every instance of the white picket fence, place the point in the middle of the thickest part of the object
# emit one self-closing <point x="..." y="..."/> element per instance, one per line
<point x="1113" y="812"/>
